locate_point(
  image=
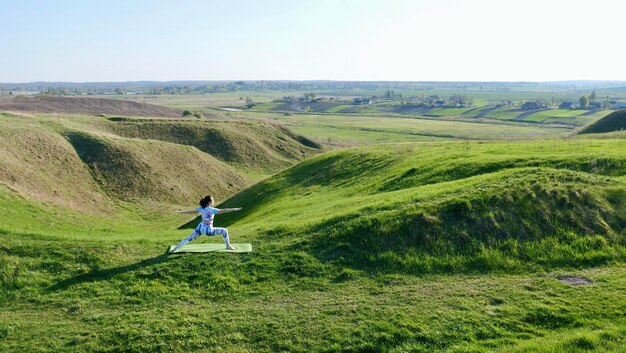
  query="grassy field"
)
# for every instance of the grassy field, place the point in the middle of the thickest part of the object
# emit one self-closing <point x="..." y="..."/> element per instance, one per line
<point x="204" y="101"/>
<point x="448" y="111"/>
<point x="610" y="123"/>
<point x="128" y="159"/>
<point x="345" y="130"/>
<point x="346" y="125"/>
<point x="438" y="246"/>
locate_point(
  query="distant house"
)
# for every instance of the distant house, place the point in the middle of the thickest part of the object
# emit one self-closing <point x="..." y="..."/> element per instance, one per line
<point x="567" y="105"/>
<point x="362" y="101"/>
<point x="619" y="105"/>
<point x="595" y="105"/>
<point x="439" y="104"/>
<point x="530" y="105"/>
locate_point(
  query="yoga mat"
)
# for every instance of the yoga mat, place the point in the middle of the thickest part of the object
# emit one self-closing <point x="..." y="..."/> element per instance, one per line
<point x="211" y="248"/>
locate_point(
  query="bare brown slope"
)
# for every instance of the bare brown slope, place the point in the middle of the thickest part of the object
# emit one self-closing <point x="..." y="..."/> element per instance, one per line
<point x="84" y="105"/>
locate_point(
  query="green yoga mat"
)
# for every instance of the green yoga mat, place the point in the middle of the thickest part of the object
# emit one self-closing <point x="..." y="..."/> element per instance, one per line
<point x="211" y="248"/>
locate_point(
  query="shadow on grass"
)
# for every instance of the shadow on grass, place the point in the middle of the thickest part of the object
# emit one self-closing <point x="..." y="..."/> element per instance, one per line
<point x="106" y="274"/>
<point x="191" y="224"/>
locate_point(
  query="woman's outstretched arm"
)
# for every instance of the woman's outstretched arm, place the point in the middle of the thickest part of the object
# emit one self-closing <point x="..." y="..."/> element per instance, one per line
<point x="187" y="212"/>
<point x="226" y="210"/>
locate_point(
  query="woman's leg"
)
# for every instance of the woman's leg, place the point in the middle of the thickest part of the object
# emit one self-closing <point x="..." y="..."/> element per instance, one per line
<point x="196" y="233"/>
<point x="224" y="233"/>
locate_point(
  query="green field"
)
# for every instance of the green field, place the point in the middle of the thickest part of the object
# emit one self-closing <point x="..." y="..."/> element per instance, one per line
<point x="445" y="236"/>
<point x="347" y="130"/>
<point x="567" y="117"/>
<point x="203" y="101"/>
<point x="447" y="111"/>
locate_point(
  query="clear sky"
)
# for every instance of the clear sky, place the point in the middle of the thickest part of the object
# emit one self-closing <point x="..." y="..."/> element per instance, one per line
<point x="446" y="40"/>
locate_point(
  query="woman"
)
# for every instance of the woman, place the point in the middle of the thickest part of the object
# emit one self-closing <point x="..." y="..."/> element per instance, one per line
<point x="206" y="226"/>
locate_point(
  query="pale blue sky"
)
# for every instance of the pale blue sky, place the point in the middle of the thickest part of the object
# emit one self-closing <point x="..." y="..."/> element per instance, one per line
<point x="449" y="40"/>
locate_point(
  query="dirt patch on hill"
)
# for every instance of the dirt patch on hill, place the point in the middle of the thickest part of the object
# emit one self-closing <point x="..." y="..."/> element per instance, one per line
<point x="84" y="105"/>
<point x="574" y="281"/>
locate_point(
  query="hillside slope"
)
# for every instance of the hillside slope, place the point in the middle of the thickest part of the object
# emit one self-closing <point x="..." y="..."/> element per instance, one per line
<point x="451" y="247"/>
<point x="260" y="147"/>
<point x="90" y="163"/>
<point x="84" y="105"/>
<point x="615" y="121"/>
<point x="447" y="207"/>
<point x="42" y="165"/>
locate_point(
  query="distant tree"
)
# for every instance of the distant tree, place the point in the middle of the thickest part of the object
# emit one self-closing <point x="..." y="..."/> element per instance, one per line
<point x="309" y="97"/>
<point x="187" y="113"/>
<point x="584" y="101"/>
<point x="390" y="94"/>
<point x="592" y="96"/>
<point x="249" y="102"/>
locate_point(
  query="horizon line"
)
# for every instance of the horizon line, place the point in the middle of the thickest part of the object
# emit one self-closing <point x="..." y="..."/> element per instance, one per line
<point x="315" y="80"/>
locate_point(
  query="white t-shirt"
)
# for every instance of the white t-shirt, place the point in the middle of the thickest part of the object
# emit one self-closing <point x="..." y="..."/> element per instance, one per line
<point x="207" y="214"/>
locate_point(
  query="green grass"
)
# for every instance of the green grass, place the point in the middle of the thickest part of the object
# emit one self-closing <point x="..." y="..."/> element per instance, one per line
<point x="447" y="111"/>
<point x="88" y="164"/>
<point x="359" y="130"/>
<point x="338" y="108"/>
<point x="266" y="106"/>
<point x="555" y="113"/>
<point x="503" y="113"/>
<point x="140" y="302"/>
<point x="418" y="246"/>
<point x="342" y="137"/>
<point x="204" y="101"/>
<point x="615" y="121"/>
<point x="394" y="192"/>
<point x="563" y="116"/>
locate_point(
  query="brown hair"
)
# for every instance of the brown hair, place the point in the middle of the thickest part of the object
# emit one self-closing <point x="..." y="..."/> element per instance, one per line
<point x="204" y="202"/>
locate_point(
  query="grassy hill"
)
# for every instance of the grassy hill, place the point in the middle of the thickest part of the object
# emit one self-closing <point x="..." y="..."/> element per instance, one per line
<point x="357" y="130"/>
<point x="92" y="163"/>
<point x="615" y="121"/>
<point x="425" y="247"/>
<point x="84" y="105"/>
<point x="250" y="146"/>
<point x="450" y="207"/>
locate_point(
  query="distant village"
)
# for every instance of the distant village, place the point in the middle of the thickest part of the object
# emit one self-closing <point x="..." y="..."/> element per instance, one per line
<point x="455" y="101"/>
<point x="391" y="97"/>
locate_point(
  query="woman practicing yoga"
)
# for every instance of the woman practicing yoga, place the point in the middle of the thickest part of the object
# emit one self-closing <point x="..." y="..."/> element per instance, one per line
<point x="206" y="226"/>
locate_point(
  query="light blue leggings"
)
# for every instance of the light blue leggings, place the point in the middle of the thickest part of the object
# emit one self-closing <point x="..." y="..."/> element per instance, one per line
<point x="204" y="229"/>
